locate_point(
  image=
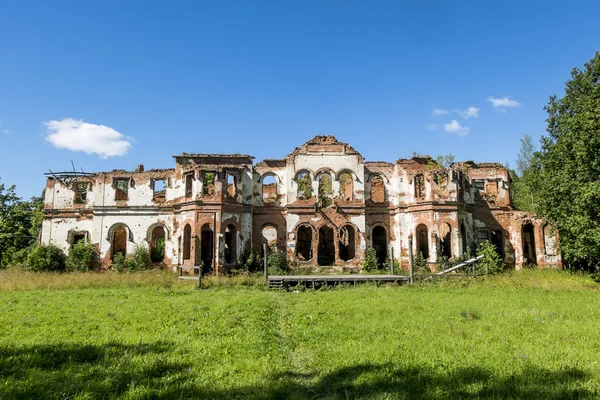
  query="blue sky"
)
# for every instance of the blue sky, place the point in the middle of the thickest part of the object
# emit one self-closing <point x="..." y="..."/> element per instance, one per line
<point x="154" y="79"/>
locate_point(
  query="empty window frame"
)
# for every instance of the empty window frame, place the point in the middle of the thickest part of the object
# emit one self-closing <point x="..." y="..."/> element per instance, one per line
<point x="121" y="188"/>
<point x="208" y="183"/>
<point x="304" y="185"/>
<point x="159" y="187"/>
<point x="80" y="189"/>
<point x="189" y="184"/>
<point x="231" y="185"/>
<point x="378" y="194"/>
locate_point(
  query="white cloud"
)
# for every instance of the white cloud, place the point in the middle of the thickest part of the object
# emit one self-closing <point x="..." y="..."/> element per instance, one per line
<point x="6" y="131"/>
<point x="440" y="111"/>
<point x="471" y="112"/>
<point x="77" y="135"/>
<point x="501" y="103"/>
<point x="432" y="127"/>
<point x="454" y="127"/>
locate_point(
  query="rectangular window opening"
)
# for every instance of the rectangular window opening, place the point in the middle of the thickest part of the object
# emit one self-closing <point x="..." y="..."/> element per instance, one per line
<point x="189" y="180"/>
<point x="159" y="186"/>
<point x="121" y="188"/>
<point x="81" y="189"/>
<point x="208" y="183"/>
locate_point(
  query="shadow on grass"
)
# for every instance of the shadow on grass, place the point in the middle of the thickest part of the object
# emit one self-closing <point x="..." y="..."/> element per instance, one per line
<point x="143" y="371"/>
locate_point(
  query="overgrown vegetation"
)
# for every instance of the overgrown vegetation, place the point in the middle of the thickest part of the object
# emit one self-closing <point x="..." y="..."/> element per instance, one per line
<point x="83" y="256"/>
<point x="139" y="260"/>
<point x="46" y="258"/>
<point x="370" y="260"/>
<point x="147" y="335"/>
<point x="563" y="177"/>
<point x="20" y="224"/>
<point x="277" y="262"/>
<point x="491" y="262"/>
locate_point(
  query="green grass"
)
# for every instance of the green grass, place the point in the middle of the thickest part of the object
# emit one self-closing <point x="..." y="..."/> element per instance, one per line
<point x="533" y="334"/>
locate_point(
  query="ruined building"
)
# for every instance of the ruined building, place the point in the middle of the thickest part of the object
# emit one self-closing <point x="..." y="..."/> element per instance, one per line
<point x="322" y="204"/>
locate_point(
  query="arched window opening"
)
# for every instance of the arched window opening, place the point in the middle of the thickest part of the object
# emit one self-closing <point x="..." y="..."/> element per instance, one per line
<point x="269" y="189"/>
<point x="230" y="244"/>
<point x="269" y="237"/>
<point x="325" y="189"/>
<point x="380" y="244"/>
<point x="422" y="241"/>
<point x="446" y="240"/>
<point x="304" y="243"/>
<point x="187" y="241"/>
<point x="346" y="186"/>
<point x="119" y="242"/>
<point x="206" y="248"/>
<point x="529" y="256"/>
<point x="157" y="244"/>
<point x="326" y="255"/>
<point x="377" y="189"/>
<point x="304" y="186"/>
<point x="347" y="243"/>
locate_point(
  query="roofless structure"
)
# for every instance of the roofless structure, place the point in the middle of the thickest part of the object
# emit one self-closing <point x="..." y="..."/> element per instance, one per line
<point x="322" y="204"/>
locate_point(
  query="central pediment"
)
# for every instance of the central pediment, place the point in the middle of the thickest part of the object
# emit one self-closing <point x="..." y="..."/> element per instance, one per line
<point x="325" y="144"/>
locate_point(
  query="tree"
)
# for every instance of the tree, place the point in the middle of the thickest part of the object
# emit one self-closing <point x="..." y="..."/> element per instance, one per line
<point x="20" y="223"/>
<point x="567" y="179"/>
<point x="523" y="180"/>
<point x="525" y="155"/>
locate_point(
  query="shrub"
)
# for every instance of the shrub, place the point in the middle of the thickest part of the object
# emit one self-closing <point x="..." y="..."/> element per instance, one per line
<point x="491" y="262"/>
<point x="46" y="258"/>
<point x="83" y="256"/>
<point x="370" y="260"/>
<point x="420" y="265"/>
<point x="252" y="262"/>
<point x="387" y="266"/>
<point x="277" y="261"/>
<point x="137" y="261"/>
<point x="158" y="252"/>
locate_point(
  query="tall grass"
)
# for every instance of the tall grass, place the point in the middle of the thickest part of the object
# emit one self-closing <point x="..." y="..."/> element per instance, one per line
<point x="529" y="334"/>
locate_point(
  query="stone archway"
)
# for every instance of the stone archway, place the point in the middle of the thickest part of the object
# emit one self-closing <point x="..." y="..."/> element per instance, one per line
<point x="347" y="243"/>
<point x="206" y="248"/>
<point x="304" y="237"/>
<point x="119" y="242"/>
<point x="326" y="253"/>
<point x="157" y="244"/>
<point x="528" y="238"/>
<point x="380" y="243"/>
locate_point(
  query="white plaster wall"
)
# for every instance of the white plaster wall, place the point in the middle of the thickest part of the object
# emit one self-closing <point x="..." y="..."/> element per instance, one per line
<point x="138" y="225"/>
<point x="57" y="231"/>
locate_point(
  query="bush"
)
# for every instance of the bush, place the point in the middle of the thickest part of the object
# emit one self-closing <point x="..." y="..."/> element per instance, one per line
<point x="370" y="260"/>
<point x="420" y="265"/>
<point x="277" y="261"/>
<point x="46" y="258"/>
<point x="139" y="260"/>
<point x="491" y="261"/>
<point x="158" y="252"/>
<point x="252" y="262"/>
<point x="83" y="256"/>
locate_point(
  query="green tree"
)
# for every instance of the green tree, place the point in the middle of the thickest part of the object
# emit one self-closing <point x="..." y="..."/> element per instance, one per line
<point x="523" y="179"/>
<point x="567" y="178"/>
<point x="20" y="223"/>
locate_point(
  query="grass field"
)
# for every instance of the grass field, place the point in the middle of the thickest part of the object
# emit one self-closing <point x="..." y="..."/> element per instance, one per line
<point x="533" y="334"/>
